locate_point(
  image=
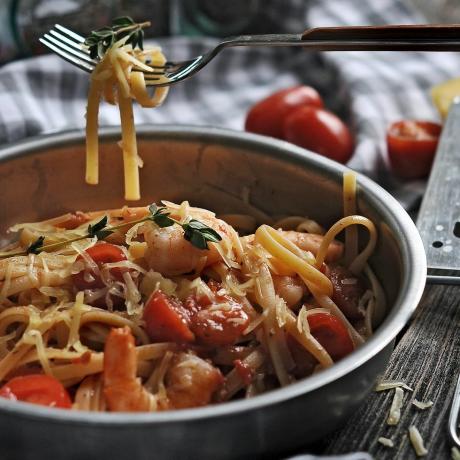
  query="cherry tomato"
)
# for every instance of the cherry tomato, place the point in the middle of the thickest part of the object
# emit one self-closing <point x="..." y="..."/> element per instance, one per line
<point x="220" y="320"/>
<point x="220" y="326"/>
<point x="411" y="147"/>
<point x="166" y="319"/>
<point x="244" y="371"/>
<point x="101" y="253"/>
<point x="74" y="220"/>
<point x="37" y="389"/>
<point x="331" y="334"/>
<point x="267" y="116"/>
<point x="320" y="131"/>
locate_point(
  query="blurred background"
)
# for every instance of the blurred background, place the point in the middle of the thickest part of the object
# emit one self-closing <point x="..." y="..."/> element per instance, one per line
<point x="23" y="21"/>
<point x="369" y="91"/>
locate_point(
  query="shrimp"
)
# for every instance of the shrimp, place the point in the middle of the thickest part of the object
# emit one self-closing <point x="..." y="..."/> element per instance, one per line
<point x="191" y="381"/>
<point x="290" y="288"/>
<point x="122" y="390"/>
<point x="311" y="242"/>
<point x="170" y="254"/>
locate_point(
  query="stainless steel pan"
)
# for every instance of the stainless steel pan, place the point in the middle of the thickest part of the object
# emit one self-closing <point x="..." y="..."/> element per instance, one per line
<point x="213" y="168"/>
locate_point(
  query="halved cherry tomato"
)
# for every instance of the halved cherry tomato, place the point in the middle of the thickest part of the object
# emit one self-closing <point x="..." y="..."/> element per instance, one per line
<point x="411" y="147"/>
<point x="331" y="334"/>
<point x="217" y="321"/>
<point x="267" y="116"/>
<point x="166" y="319"/>
<point x="220" y="326"/>
<point x="74" y="220"/>
<point x="101" y="253"/>
<point x="320" y="131"/>
<point x="37" y="389"/>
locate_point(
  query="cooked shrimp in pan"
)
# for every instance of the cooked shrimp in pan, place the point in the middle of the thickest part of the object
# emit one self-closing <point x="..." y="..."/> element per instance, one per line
<point x="142" y="309"/>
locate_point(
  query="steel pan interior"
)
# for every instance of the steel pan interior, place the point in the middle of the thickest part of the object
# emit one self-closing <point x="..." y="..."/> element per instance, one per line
<point x="228" y="172"/>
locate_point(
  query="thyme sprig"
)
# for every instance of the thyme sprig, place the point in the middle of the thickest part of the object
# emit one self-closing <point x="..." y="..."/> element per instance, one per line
<point x="100" y="40"/>
<point x="195" y="231"/>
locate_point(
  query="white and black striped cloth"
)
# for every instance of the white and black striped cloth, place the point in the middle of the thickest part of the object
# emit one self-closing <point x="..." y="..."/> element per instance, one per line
<point x="369" y="90"/>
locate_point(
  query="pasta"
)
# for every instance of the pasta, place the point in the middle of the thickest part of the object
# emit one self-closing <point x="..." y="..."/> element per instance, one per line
<point x="168" y="307"/>
<point x="118" y="78"/>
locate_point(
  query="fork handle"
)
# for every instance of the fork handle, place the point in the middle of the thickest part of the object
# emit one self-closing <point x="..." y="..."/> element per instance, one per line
<point x="425" y="37"/>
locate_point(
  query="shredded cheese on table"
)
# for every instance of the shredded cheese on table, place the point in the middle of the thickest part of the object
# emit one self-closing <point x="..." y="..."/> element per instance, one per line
<point x="417" y="441"/>
<point x="395" y="409"/>
<point x="385" y="385"/>
<point x="422" y="405"/>
<point x="455" y="453"/>
<point x="386" y="442"/>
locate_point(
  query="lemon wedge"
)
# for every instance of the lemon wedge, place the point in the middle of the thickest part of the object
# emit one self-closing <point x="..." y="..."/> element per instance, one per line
<point x="444" y="94"/>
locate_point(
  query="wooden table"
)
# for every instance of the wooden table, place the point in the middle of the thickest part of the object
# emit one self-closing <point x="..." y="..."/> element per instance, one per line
<point x="427" y="358"/>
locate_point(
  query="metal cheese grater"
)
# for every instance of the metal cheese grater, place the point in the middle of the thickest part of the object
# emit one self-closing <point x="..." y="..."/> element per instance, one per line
<point x="439" y="217"/>
<point x="439" y="224"/>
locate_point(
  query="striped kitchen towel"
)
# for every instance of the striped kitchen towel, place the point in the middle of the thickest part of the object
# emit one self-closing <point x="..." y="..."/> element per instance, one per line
<point x="369" y="90"/>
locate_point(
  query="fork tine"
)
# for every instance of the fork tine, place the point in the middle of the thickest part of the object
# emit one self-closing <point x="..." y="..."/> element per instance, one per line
<point x="79" y="40"/>
<point x="68" y="57"/>
<point x="69" y="41"/>
<point x="70" y="33"/>
<point x="62" y="43"/>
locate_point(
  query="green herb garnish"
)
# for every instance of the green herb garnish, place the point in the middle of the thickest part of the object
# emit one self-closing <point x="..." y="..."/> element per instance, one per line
<point x="100" y="40"/>
<point x="199" y="234"/>
<point x="196" y="232"/>
<point x="99" y="229"/>
<point x="160" y="216"/>
<point x="36" y="246"/>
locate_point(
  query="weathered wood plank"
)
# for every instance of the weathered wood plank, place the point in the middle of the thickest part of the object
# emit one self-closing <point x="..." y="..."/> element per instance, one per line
<point x="427" y="358"/>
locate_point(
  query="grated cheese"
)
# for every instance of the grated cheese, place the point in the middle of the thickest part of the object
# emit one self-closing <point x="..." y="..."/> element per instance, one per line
<point x="422" y="405"/>
<point x="34" y="337"/>
<point x="417" y="441"/>
<point x="76" y="312"/>
<point x="395" y="409"/>
<point x="302" y="321"/>
<point x="132" y="295"/>
<point x="386" y="442"/>
<point x="385" y="385"/>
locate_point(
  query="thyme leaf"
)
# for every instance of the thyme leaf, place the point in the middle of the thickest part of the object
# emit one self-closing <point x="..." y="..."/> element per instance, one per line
<point x="100" y="40"/>
<point x="160" y="216"/>
<point x="36" y="246"/>
<point x="199" y="234"/>
<point x="99" y="229"/>
<point x="195" y="231"/>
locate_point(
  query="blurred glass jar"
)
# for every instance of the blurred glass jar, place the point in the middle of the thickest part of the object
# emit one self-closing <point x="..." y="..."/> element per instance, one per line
<point x="213" y="17"/>
<point x="22" y="22"/>
<point x="29" y="19"/>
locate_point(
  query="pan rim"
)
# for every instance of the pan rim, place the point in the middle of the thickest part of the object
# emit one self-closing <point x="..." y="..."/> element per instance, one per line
<point x="412" y="282"/>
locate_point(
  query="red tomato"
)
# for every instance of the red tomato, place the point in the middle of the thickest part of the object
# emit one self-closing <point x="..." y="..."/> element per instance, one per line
<point x="220" y="326"/>
<point x="244" y="371"/>
<point x="411" y="147"/>
<point x="101" y="253"/>
<point x="267" y="116"/>
<point x="213" y="324"/>
<point x="331" y="334"/>
<point x="37" y="389"/>
<point x="166" y="319"/>
<point x="319" y="131"/>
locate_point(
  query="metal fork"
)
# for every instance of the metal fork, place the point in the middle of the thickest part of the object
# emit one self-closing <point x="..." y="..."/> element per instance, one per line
<point x="431" y="37"/>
